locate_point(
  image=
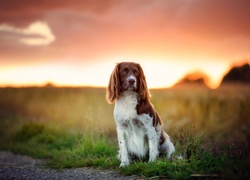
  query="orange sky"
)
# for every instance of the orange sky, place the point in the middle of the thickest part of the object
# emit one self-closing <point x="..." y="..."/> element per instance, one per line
<point x="78" y="42"/>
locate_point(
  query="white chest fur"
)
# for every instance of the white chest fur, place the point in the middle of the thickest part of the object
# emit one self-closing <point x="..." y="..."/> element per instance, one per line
<point x="129" y="122"/>
<point x="125" y="107"/>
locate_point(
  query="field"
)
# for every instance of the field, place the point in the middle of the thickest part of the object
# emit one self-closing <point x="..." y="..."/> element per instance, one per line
<point x="74" y="127"/>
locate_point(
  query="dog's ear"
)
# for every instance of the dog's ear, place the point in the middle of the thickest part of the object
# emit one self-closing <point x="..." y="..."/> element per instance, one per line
<point x="113" y="90"/>
<point x="143" y="89"/>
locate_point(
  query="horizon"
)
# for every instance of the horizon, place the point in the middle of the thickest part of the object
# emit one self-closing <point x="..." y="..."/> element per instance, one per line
<point x="188" y="80"/>
<point x="197" y="73"/>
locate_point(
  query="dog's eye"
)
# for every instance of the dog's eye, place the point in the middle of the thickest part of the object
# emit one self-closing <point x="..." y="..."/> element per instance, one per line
<point x="136" y="73"/>
<point x="124" y="71"/>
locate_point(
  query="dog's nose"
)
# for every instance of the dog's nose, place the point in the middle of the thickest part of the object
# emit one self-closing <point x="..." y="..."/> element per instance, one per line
<point x="131" y="81"/>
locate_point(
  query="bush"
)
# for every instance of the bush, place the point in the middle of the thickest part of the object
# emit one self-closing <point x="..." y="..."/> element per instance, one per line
<point x="28" y="131"/>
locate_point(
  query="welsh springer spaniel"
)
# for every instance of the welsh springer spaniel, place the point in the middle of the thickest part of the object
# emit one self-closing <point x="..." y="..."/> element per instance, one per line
<point x="139" y="127"/>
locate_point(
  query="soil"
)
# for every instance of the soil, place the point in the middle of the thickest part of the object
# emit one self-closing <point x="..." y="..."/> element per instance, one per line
<point x="14" y="166"/>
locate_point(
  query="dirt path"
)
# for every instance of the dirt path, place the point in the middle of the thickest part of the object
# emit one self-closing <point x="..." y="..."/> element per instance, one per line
<point x="23" y="167"/>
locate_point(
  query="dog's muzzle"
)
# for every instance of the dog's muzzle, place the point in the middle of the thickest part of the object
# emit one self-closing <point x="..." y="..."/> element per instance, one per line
<point x="131" y="83"/>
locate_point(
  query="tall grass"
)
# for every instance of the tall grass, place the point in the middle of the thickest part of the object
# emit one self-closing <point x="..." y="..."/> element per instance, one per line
<point x="74" y="127"/>
<point x="216" y="112"/>
<point x="78" y="109"/>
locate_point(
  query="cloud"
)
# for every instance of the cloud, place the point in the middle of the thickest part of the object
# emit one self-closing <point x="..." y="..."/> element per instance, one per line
<point x="186" y="32"/>
<point x="36" y="34"/>
<point x="90" y="28"/>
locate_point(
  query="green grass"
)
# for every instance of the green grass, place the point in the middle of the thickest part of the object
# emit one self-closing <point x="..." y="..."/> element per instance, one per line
<point x="74" y="128"/>
<point x="63" y="150"/>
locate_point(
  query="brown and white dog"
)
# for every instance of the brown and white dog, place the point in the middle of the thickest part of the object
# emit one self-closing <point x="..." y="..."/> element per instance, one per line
<point x="139" y="127"/>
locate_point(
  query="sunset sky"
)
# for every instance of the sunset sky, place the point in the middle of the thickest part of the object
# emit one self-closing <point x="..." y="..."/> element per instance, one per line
<point x="78" y="42"/>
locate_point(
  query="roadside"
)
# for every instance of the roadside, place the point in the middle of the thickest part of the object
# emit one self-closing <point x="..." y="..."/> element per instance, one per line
<point x="23" y="167"/>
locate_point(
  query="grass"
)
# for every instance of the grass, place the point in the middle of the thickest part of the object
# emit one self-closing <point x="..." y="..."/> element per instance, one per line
<point x="63" y="150"/>
<point x="74" y="127"/>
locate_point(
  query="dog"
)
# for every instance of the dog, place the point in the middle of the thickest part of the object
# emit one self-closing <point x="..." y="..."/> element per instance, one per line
<point x="139" y="126"/>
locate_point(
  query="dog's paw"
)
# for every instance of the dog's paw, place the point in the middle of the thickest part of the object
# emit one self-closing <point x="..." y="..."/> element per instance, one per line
<point x="153" y="155"/>
<point x="170" y="149"/>
<point x="151" y="159"/>
<point x="124" y="163"/>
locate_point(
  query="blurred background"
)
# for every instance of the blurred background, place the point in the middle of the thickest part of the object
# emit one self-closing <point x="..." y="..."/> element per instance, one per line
<point x="78" y="42"/>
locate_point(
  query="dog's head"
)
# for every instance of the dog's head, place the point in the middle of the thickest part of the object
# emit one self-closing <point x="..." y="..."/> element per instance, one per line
<point x="127" y="76"/>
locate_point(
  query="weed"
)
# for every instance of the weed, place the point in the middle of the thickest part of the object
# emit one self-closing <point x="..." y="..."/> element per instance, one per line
<point x="193" y="145"/>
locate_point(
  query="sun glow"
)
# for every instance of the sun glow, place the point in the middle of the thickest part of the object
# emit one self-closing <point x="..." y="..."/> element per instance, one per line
<point x="159" y="74"/>
<point x="62" y="75"/>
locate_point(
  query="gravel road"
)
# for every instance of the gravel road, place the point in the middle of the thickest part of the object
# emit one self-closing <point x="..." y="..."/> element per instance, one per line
<point x="23" y="167"/>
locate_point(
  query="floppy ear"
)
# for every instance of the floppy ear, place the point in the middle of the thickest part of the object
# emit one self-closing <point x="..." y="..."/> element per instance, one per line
<point x="113" y="90"/>
<point x="143" y="88"/>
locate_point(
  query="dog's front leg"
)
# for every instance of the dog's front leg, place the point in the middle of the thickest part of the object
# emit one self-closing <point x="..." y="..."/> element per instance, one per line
<point x="153" y="136"/>
<point x="123" y="152"/>
<point x="153" y="143"/>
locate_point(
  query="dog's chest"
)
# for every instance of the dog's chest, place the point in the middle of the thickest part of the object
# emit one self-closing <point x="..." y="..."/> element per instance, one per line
<point x="132" y="125"/>
<point x="125" y="107"/>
